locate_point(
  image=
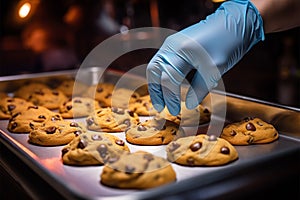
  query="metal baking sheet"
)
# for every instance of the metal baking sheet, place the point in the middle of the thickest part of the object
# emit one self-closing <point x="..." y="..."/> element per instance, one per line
<point x="84" y="181"/>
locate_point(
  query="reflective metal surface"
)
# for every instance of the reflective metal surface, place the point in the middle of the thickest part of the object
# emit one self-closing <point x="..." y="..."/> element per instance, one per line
<point x="84" y="181"/>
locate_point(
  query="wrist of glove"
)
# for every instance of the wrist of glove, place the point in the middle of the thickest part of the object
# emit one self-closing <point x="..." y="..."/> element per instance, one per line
<point x="210" y="47"/>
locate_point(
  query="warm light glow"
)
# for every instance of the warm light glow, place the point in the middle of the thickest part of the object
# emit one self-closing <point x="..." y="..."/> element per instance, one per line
<point x="24" y="10"/>
<point x="218" y="1"/>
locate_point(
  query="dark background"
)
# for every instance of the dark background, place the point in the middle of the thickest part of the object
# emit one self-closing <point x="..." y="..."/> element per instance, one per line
<point x="260" y="74"/>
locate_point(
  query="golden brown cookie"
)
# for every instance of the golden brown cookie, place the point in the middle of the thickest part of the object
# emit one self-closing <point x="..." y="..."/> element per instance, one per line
<point x="143" y="106"/>
<point x="49" y="98"/>
<point x="54" y="133"/>
<point x="201" y="150"/>
<point x="139" y="170"/>
<point x="122" y="97"/>
<point x="26" y="90"/>
<point x="155" y="131"/>
<point x="70" y="87"/>
<point x="249" y="131"/>
<point x="101" y="92"/>
<point x="93" y="149"/>
<point x="32" y="117"/>
<point x="111" y="119"/>
<point x="11" y="105"/>
<point x="78" y="107"/>
<point x="187" y="117"/>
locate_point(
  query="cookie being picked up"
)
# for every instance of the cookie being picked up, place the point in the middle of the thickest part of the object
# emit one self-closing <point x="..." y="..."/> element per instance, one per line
<point x="155" y="131"/>
<point x="249" y="131"/>
<point x="111" y="119"/>
<point x="78" y="107"/>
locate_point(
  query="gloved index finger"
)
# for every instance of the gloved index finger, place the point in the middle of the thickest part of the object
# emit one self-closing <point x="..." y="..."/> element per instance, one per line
<point x="153" y="74"/>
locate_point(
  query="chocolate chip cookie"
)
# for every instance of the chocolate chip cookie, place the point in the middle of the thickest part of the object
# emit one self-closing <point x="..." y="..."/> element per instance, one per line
<point x="26" y="90"/>
<point x="101" y="92"/>
<point x="93" y="149"/>
<point x="11" y="105"/>
<point x="250" y="131"/>
<point x="155" y="131"/>
<point x="32" y="117"/>
<point x="111" y="119"/>
<point x="139" y="170"/>
<point x="78" y="107"/>
<point x="123" y="97"/>
<point x="70" y="87"/>
<point x="143" y="106"/>
<point x="189" y="117"/>
<point x="54" y="133"/>
<point x="201" y="150"/>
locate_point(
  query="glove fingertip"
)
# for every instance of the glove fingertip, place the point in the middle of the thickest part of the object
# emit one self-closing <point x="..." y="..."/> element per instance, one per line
<point x="158" y="106"/>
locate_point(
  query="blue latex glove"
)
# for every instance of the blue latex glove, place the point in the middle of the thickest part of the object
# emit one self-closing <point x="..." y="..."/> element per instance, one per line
<point x="212" y="47"/>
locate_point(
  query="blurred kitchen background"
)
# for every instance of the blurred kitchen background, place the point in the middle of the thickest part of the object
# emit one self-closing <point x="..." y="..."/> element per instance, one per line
<point x="50" y="35"/>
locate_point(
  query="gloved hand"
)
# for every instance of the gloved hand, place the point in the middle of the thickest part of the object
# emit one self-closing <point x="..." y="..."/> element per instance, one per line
<point x="211" y="47"/>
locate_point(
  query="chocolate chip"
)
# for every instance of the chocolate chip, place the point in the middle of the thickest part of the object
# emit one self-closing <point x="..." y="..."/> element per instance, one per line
<point x="141" y="128"/>
<point x="107" y="96"/>
<point x="74" y="124"/>
<point x="148" y="157"/>
<point x="55" y="118"/>
<point x="15" y="115"/>
<point x="129" y="169"/>
<point x="130" y="113"/>
<point x="77" y="101"/>
<point x="225" y="150"/>
<point x="250" y="127"/>
<point x="173" y="146"/>
<point x="120" y="142"/>
<point x="196" y="146"/>
<point x="212" y="138"/>
<point x="77" y="133"/>
<point x="205" y="110"/>
<point x="51" y="130"/>
<point x="14" y="125"/>
<point x="99" y="89"/>
<point x="64" y="151"/>
<point x="190" y="161"/>
<point x="39" y="92"/>
<point x="11" y="107"/>
<point x="41" y="117"/>
<point x="118" y="111"/>
<point x="31" y="125"/>
<point x="33" y="107"/>
<point x="96" y="137"/>
<point x="233" y="133"/>
<point x="250" y="140"/>
<point x="127" y="122"/>
<point x="69" y="107"/>
<point x="102" y="149"/>
<point x="134" y="96"/>
<point x="82" y="144"/>
<point x="112" y="159"/>
<point x="90" y="121"/>
<point x="55" y="93"/>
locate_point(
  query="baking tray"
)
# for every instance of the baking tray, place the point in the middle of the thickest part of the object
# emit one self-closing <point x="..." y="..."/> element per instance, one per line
<point x="83" y="182"/>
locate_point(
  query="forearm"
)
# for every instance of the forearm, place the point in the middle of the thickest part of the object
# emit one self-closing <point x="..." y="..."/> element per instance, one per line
<point x="278" y="15"/>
